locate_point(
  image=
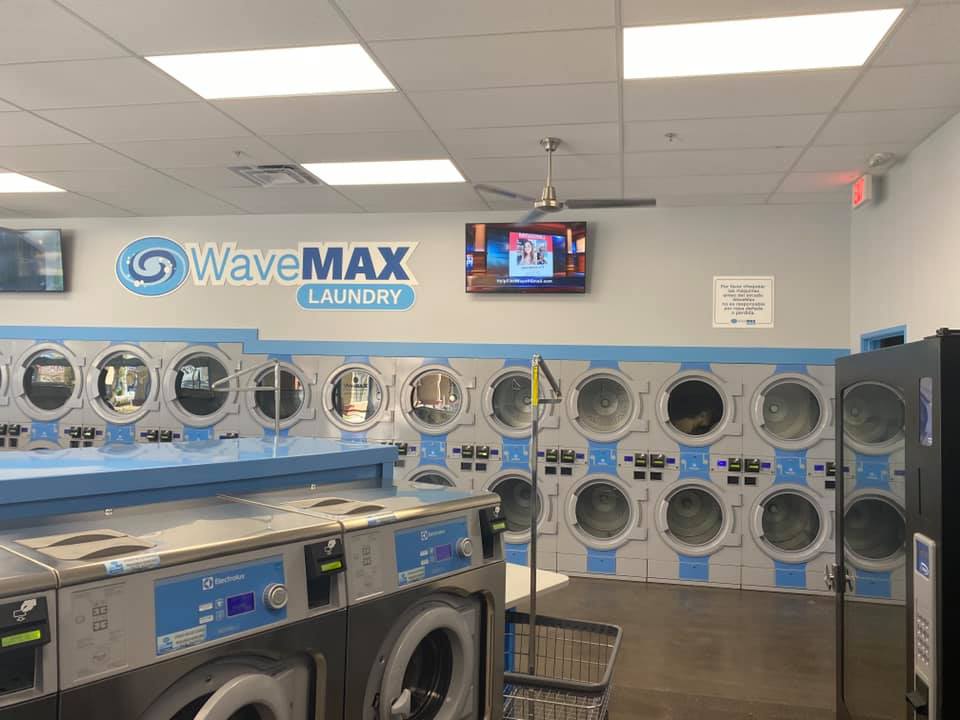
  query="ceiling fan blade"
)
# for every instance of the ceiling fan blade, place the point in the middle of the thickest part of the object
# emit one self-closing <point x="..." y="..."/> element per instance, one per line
<point x="494" y="190"/>
<point x="531" y="217"/>
<point x="591" y="203"/>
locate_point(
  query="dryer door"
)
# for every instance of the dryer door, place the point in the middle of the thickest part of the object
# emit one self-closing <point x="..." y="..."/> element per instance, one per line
<point x="240" y="689"/>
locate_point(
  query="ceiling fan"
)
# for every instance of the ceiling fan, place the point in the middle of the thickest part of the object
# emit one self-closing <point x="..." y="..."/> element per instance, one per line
<point x="548" y="202"/>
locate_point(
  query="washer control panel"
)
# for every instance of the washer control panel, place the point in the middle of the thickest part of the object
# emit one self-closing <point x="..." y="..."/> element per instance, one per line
<point x="217" y="603"/>
<point x="431" y="550"/>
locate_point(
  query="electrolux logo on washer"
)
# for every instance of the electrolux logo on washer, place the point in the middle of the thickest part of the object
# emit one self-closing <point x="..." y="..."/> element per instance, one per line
<point x="327" y="276"/>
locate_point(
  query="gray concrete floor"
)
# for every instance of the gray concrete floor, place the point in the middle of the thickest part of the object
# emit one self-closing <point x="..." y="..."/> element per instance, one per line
<point x="698" y="653"/>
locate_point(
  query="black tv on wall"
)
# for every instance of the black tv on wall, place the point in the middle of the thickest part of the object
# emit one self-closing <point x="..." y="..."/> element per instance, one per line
<point x="541" y="257"/>
<point x="31" y="261"/>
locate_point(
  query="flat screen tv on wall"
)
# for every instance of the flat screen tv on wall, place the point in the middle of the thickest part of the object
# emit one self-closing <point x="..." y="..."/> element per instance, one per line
<point x="542" y="257"/>
<point x="30" y="261"/>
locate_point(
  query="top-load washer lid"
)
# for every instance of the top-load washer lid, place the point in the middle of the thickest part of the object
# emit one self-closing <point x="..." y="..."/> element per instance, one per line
<point x="356" y="397"/>
<point x="695" y="407"/>
<point x="19" y="575"/>
<point x="88" y="546"/>
<point x="873" y="417"/>
<point x="49" y="380"/>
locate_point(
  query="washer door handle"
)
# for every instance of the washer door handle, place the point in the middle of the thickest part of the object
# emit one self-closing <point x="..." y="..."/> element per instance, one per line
<point x="261" y="691"/>
<point x="401" y="706"/>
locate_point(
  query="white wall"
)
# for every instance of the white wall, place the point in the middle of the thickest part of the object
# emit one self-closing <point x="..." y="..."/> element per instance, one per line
<point x="905" y="249"/>
<point x="651" y="279"/>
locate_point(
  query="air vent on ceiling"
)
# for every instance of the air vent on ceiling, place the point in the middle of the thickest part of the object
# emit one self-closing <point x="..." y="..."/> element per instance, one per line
<point x="275" y="175"/>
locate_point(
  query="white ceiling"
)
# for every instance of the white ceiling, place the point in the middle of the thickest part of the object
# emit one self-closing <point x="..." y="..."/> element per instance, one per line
<point x="479" y="82"/>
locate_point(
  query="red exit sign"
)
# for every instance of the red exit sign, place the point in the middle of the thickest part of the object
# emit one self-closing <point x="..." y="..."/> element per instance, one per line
<point x="862" y="191"/>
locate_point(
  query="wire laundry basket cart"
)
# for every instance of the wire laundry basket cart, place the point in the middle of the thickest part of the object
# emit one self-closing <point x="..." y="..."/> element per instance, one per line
<point x="554" y="669"/>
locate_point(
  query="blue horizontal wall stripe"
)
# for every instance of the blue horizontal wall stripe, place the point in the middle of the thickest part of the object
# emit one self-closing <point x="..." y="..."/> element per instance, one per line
<point x="253" y="344"/>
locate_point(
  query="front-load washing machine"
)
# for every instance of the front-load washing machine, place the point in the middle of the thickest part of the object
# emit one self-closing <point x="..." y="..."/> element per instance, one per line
<point x="195" y="609"/>
<point x="46" y="386"/>
<point x="122" y="395"/>
<point x="425" y="586"/>
<point x="356" y="396"/>
<point x="874" y="491"/>
<point x="435" y="414"/>
<point x="28" y="639"/>
<point x="789" y="503"/>
<point x="299" y="400"/>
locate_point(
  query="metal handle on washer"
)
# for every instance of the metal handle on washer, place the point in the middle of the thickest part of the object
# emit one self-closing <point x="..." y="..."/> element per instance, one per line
<point x="401" y="706"/>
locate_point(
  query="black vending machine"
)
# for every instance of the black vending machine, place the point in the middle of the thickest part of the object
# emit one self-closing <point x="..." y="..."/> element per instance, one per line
<point x="898" y="505"/>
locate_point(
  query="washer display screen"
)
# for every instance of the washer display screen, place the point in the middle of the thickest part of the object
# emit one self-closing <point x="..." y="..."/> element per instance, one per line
<point x="436" y="398"/>
<point x="240" y="604"/>
<point x="357" y="396"/>
<point x="292" y="394"/>
<point x="49" y="380"/>
<point x="124" y="383"/>
<point x="791" y="411"/>
<point x="194" y="385"/>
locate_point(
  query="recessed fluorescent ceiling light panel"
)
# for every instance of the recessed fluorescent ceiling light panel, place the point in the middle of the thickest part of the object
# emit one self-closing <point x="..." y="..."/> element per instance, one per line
<point x="319" y="70"/>
<point x="399" y="172"/>
<point x="17" y="183"/>
<point x="803" y="42"/>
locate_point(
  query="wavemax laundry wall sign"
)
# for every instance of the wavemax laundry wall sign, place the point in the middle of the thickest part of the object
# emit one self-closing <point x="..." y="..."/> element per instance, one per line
<point x="327" y="276"/>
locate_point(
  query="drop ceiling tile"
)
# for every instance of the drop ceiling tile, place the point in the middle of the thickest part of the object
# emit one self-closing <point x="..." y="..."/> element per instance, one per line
<point x="80" y="156"/>
<point x="137" y="178"/>
<point x="204" y="152"/>
<point x="89" y="83"/>
<point x="736" y="95"/>
<point x="754" y="184"/>
<point x="43" y="205"/>
<point x="904" y="87"/>
<point x="787" y="131"/>
<point x="657" y="12"/>
<point x="179" y="200"/>
<point x="710" y="162"/>
<point x="415" y="198"/>
<point x="182" y="26"/>
<point x="599" y="188"/>
<point x="845" y="157"/>
<point x="41" y="30"/>
<point x="343" y="147"/>
<point x="908" y="127"/>
<point x="583" y="139"/>
<point x="314" y="199"/>
<point x="553" y="104"/>
<point x="535" y="168"/>
<point x="840" y="196"/>
<point x="927" y="35"/>
<point x="488" y="61"/>
<point x="324" y="113"/>
<point x="817" y="182"/>
<point x="376" y="20"/>
<point x="710" y="200"/>
<point x="147" y="122"/>
<point x="22" y="128"/>
<point x="209" y="178"/>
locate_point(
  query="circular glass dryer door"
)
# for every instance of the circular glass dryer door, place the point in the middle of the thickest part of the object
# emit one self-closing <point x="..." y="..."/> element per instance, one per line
<point x="695" y="408"/>
<point x="49" y="382"/>
<point x="790" y="413"/>
<point x="874" y="532"/>
<point x="515" y="493"/>
<point x="509" y="401"/>
<point x="356" y="399"/>
<point x="873" y="418"/>
<point x="434" y="476"/>
<point x="195" y="401"/>
<point x="603" y="406"/>
<point x="694" y="517"/>
<point x="603" y="512"/>
<point x="293" y="396"/>
<point x="124" y="386"/>
<point x="789" y="525"/>
<point x="431" y="669"/>
<point x="435" y="401"/>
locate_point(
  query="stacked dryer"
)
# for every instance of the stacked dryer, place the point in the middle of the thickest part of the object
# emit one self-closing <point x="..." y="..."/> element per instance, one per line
<point x="696" y="517"/>
<point x="789" y="503"/>
<point x="603" y="527"/>
<point x="435" y="417"/>
<point x="356" y="398"/>
<point x="299" y="402"/>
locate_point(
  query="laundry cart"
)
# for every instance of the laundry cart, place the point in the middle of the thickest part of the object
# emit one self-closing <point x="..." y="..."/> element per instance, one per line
<point x="554" y="668"/>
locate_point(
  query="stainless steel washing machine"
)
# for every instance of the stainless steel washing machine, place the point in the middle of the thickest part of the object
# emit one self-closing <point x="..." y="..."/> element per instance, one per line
<point x="425" y="587"/>
<point x="195" y="609"/>
<point x="28" y="640"/>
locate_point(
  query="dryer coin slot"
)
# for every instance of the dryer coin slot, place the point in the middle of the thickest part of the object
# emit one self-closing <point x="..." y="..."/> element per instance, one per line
<point x="735" y="465"/>
<point x="466" y="451"/>
<point x="750" y="481"/>
<point x="552" y="455"/>
<point x="568" y="457"/>
<point x="640" y="460"/>
<point x="658" y="460"/>
<point x="656" y="476"/>
<point x="733" y="479"/>
<point x="483" y="452"/>
<point x="751" y="465"/>
<point x="831" y="469"/>
<point x="639" y="475"/>
<point x="550" y="470"/>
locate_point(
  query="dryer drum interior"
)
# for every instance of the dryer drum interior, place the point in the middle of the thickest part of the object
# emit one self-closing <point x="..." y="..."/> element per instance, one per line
<point x="694" y="516"/>
<point x="602" y="510"/>
<point x="124" y="383"/>
<point x="515" y="495"/>
<point x="357" y="396"/>
<point x="874" y="529"/>
<point x="193" y="385"/>
<point x="604" y="405"/>
<point x="432" y="478"/>
<point x="790" y="522"/>
<point x="695" y="407"/>
<point x="511" y="401"/>
<point x="49" y="380"/>
<point x="872" y="414"/>
<point x="291" y="394"/>
<point x="791" y="410"/>
<point x="436" y="398"/>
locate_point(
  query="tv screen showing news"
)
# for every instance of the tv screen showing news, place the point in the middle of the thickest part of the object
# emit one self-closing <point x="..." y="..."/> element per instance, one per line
<point x="543" y="257"/>
<point x="30" y="261"/>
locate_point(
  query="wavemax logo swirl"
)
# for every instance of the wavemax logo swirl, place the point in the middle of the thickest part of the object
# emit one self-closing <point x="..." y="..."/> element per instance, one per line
<point x="152" y="266"/>
<point x="328" y="276"/>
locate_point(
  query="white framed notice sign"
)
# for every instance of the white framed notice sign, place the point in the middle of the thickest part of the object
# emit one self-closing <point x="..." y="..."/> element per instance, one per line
<point x="742" y="302"/>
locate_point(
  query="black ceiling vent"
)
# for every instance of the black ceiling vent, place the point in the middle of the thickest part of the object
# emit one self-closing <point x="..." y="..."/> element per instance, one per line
<point x="275" y="175"/>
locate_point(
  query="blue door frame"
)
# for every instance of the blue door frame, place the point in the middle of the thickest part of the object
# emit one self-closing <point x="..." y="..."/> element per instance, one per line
<point x="875" y="340"/>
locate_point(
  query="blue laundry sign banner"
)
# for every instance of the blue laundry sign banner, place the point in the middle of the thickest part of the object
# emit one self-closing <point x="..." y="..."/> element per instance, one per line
<point x="327" y="276"/>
